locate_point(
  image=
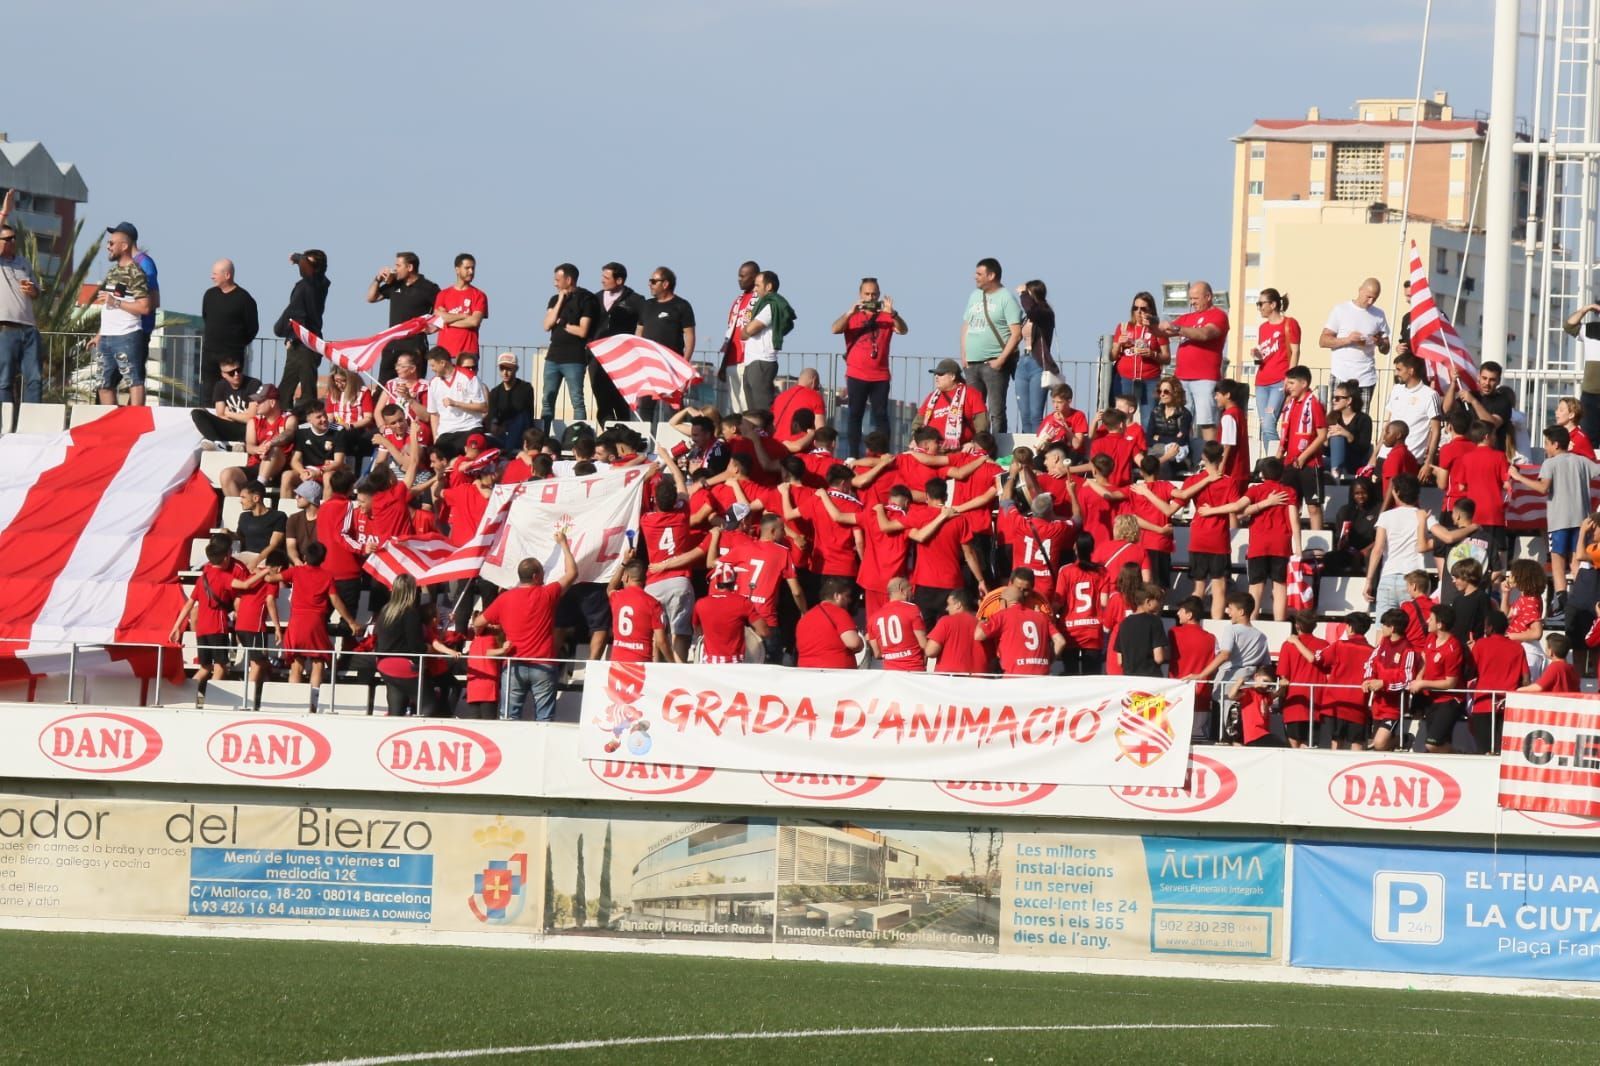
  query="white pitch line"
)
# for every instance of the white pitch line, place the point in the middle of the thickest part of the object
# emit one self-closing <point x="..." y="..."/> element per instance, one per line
<point x="784" y="1034"/>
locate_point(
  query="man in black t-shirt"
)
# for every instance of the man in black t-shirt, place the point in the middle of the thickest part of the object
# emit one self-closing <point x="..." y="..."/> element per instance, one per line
<point x="317" y="447"/>
<point x="230" y="322"/>
<point x="261" y="528"/>
<point x="667" y="319"/>
<point x="1493" y="402"/>
<point x="409" y="295"/>
<point x="1142" y="638"/>
<point x="570" y="317"/>
<point x="232" y="407"/>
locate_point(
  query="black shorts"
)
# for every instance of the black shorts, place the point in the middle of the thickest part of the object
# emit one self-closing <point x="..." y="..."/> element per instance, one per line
<point x="1440" y="719"/>
<point x="585" y="606"/>
<point x="1307" y="481"/>
<point x="1267" y="567"/>
<point x="1209" y="566"/>
<point x="214" y="649"/>
<point x="1343" y="731"/>
<point x="1300" y="731"/>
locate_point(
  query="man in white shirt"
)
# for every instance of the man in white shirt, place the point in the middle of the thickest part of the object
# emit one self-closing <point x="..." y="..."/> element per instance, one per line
<point x="1415" y="403"/>
<point x="457" y="403"/>
<point x="1354" y="330"/>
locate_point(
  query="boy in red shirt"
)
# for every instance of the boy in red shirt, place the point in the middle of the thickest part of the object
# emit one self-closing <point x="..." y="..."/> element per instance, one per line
<point x="638" y="626"/>
<point x="1099" y="502"/>
<point x="896" y="633"/>
<point x="1024" y="637"/>
<point x="1117" y="443"/>
<point x="765" y="567"/>
<point x="721" y="618"/>
<point x="825" y="638"/>
<point x="1302" y="435"/>
<point x="1210" y="540"/>
<point x="885" y="549"/>
<point x="1037" y="538"/>
<point x="1502" y="666"/>
<point x="1418" y="608"/>
<point x="1344" y="707"/>
<point x="1481" y="475"/>
<point x="942" y="549"/>
<point x="1391" y="667"/>
<point x="1301" y="664"/>
<point x="1399" y="460"/>
<point x="1194" y="649"/>
<point x="1273" y="510"/>
<point x="1231" y="430"/>
<point x="254" y="607"/>
<point x="1558" y="676"/>
<point x="1443" y="663"/>
<point x="1256" y="694"/>
<point x="312" y="594"/>
<point x="954" y="641"/>
<point x="1080" y="595"/>
<point x="1150" y="501"/>
<point x="209" y="607"/>
<point x="484" y="652"/>
<point x="1062" y="423"/>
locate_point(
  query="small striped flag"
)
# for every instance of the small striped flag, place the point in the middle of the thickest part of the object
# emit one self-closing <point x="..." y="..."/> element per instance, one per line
<point x="1434" y="338"/>
<point x="432" y="560"/>
<point x="642" y="369"/>
<point x="361" y="356"/>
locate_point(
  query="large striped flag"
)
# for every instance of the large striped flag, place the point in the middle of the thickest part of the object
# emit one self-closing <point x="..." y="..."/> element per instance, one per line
<point x="1526" y="509"/>
<point x="1434" y="338"/>
<point x="642" y="369"/>
<point x="361" y="356"/>
<point x="1549" y="754"/>
<point x="97" y="522"/>
<point x="432" y="560"/>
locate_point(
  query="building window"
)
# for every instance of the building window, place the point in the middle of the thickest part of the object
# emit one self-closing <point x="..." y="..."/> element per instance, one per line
<point x="1256" y="188"/>
<point x="1358" y="172"/>
<point x="1318" y="190"/>
<point x="1397" y="151"/>
<point x="1405" y="114"/>
<point x="1252" y="260"/>
<point x="1458" y="151"/>
<point x="1253" y="224"/>
<point x="1258" y="151"/>
<point x="1458" y="188"/>
<point x="1319" y="151"/>
<point x="1441" y="261"/>
<point x="1397" y="191"/>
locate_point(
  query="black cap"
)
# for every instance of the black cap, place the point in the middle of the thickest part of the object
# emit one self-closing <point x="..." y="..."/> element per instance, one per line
<point x="126" y="228"/>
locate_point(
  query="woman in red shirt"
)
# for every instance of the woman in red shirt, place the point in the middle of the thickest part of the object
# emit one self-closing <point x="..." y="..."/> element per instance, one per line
<point x="1139" y="351"/>
<point x="1277" y="349"/>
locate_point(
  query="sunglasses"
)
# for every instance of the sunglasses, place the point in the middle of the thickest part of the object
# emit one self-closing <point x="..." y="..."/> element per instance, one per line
<point x="231" y="373"/>
<point x="1143" y="307"/>
<point x="655" y="281"/>
<point x="1337" y="398"/>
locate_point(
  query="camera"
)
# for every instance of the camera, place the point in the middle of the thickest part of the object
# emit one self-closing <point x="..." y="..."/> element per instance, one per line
<point x="871" y="307"/>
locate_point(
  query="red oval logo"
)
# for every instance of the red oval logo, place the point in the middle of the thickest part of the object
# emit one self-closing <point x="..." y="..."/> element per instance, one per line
<point x="268" y="749"/>
<point x="100" y="742"/>
<point x="1210" y="784"/>
<point x="649" y="779"/>
<point x="995" y="793"/>
<point x="440" y="756"/>
<point x="1394" y="790"/>
<point x="826" y="788"/>
<point x="1556" y="820"/>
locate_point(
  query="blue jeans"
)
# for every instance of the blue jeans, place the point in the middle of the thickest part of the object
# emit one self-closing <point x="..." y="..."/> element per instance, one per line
<point x="861" y="396"/>
<point x="534" y="680"/>
<point x="121" y="358"/>
<point x="1030" y="394"/>
<point x="19" y="350"/>
<point x="554" y="375"/>
<point x="1269" y="404"/>
<point x="1345" y="457"/>
<point x="1139" y="390"/>
<point x="1391" y="593"/>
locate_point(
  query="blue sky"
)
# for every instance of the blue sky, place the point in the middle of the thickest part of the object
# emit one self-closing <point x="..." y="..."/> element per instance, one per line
<point x="828" y="140"/>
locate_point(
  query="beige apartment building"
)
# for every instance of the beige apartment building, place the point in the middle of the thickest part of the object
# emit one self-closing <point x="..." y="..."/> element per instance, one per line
<point x="1317" y="208"/>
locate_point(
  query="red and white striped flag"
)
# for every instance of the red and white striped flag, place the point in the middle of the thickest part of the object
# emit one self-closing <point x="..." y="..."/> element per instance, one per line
<point x="103" y="516"/>
<point x="432" y="560"/>
<point x="361" y="356"/>
<point x="1550" y="754"/>
<point x="1434" y="338"/>
<point x="642" y="369"/>
<point x="1526" y="509"/>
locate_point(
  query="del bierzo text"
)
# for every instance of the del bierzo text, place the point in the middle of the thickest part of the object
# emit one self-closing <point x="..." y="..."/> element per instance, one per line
<point x="881" y="719"/>
<point x="218" y="825"/>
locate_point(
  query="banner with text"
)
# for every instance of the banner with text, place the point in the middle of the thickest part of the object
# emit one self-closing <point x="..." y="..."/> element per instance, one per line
<point x="1067" y="731"/>
<point x="1550" y="755"/>
<point x="1426" y="910"/>
<point x="276" y="864"/>
<point x="596" y="512"/>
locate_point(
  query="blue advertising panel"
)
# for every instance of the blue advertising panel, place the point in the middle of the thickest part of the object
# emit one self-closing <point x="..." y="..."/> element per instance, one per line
<point x="1445" y="911"/>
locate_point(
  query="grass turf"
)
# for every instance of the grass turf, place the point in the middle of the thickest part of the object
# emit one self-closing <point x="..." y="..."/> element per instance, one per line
<point x="80" y="998"/>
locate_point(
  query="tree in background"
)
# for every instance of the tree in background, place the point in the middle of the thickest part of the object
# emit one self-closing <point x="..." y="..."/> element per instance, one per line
<point x="580" y="892"/>
<point x="549" y="890"/>
<point x="604" y="917"/>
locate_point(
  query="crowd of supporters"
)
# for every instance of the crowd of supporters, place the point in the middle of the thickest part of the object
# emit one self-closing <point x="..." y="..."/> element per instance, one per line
<point x="765" y="537"/>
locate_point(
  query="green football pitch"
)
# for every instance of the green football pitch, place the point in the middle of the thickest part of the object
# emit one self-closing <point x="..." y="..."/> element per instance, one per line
<point x="71" y="998"/>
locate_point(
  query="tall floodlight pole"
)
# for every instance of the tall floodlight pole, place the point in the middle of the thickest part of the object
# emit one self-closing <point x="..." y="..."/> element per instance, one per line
<point x="1501" y="182"/>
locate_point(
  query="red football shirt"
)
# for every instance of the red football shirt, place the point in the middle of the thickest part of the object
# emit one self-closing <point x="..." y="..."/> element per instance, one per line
<point x="763" y="567"/>
<point x="1022" y="636"/>
<point x="819" y="638"/>
<point x="1193" y="648"/>
<point x="311" y="585"/>
<point x="1123" y="452"/>
<point x="866" y="345"/>
<point x="1481" y="475"/>
<point x="1081" y="592"/>
<point x="1115" y="554"/>
<point x="795" y="398"/>
<point x="454" y="301"/>
<point x="833" y="544"/>
<point x="1298" y="426"/>
<point x="894" y="629"/>
<point x="721" y="618"/>
<point x="935" y="411"/>
<point x="213" y="595"/>
<point x="466" y="507"/>
<point x="1441" y="660"/>
<point x="1138" y="363"/>
<point x="1399" y="461"/>
<point x="883" y="555"/>
<point x="1301" y="672"/>
<point x="1209" y="533"/>
<point x="1345" y="659"/>
<point x="1036" y="543"/>
<point x="635" y="617"/>
<point x="343" y="561"/>
<point x="1273" y="340"/>
<point x="938" y="564"/>
<point x="483" y="670"/>
<point x="1139" y="504"/>
<point x="1502" y="666"/>
<point x="907" y="471"/>
<point x="1054" y="427"/>
<point x="1559" y="676"/>
<point x="960" y="650"/>
<point x="975" y="484"/>
<point x="527" y="616"/>
<point x="1448" y="455"/>
<point x="667" y="534"/>
<point x="1197" y="360"/>
<point x="1270" y="535"/>
<point x="1096" y="512"/>
<point x="1231" y="430"/>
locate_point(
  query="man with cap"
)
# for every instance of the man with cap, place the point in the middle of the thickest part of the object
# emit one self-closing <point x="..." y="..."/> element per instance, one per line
<point x="125" y="296"/>
<point x="457" y="402"/>
<point x="953" y="409"/>
<point x="306" y="302"/>
<point x="301" y="529"/>
<point x="266" y="440"/>
<point x="510" y="405"/>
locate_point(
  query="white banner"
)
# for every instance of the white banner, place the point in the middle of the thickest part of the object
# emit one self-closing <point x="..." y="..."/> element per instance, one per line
<point x="1550" y="755"/>
<point x="926" y="727"/>
<point x="597" y="513"/>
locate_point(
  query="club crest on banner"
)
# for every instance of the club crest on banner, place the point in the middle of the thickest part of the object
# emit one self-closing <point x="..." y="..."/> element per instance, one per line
<point x="1144" y="728"/>
<point x="500" y="889"/>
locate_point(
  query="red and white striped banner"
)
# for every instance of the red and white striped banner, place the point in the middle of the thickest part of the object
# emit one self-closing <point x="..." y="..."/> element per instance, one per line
<point x="642" y="369"/>
<point x="1434" y="338"/>
<point x="433" y="560"/>
<point x="97" y="521"/>
<point x="1550" y="754"/>
<point x="1526" y="509"/>
<point x="362" y="356"/>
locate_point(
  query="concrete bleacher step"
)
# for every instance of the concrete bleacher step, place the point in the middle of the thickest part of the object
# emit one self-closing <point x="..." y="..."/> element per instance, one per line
<point x="212" y="464"/>
<point x="40" y="417"/>
<point x="82" y="414"/>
